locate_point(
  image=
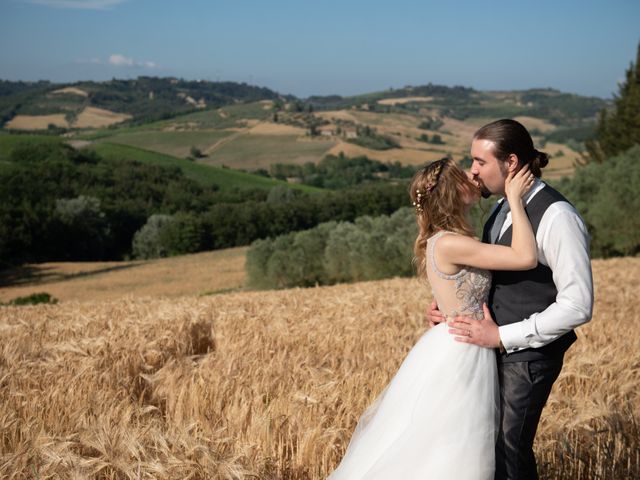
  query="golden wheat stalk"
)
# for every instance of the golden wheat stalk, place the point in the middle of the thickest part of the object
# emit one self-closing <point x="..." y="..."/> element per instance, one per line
<point x="271" y="384"/>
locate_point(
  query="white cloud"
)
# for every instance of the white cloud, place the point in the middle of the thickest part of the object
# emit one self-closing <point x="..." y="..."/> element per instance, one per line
<point x="118" y="60"/>
<point x="78" y="4"/>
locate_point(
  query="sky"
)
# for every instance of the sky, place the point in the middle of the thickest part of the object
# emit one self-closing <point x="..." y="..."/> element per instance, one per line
<point x="342" y="47"/>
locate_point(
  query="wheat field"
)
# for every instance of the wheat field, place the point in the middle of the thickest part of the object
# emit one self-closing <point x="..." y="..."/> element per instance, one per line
<point x="269" y="385"/>
<point x="201" y="273"/>
<point x="89" y="117"/>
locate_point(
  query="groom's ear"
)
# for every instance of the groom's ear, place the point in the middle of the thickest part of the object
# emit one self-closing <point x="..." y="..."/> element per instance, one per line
<point x="512" y="163"/>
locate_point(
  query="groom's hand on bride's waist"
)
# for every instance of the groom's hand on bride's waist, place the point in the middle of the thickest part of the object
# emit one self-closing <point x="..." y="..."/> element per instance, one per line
<point x="433" y="315"/>
<point x="483" y="333"/>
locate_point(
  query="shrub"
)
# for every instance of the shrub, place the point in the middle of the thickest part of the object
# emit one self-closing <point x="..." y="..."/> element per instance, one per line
<point x="606" y="196"/>
<point x="168" y="235"/>
<point x="185" y="233"/>
<point x="615" y="210"/>
<point x="195" y="153"/>
<point x="33" y="299"/>
<point x="367" y="249"/>
<point x="83" y="226"/>
<point x="256" y="264"/>
<point x="437" y="140"/>
<point x="344" y="253"/>
<point x="431" y="123"/>
<point x="147" y="242"/>
<point x="283" y="194"/>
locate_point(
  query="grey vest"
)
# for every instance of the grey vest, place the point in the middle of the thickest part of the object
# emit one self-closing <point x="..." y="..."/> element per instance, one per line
<point x="515" y="296"/>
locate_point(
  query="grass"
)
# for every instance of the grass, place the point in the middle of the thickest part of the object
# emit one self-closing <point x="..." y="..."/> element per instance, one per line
<point x="205" y="174"/>
<point x="9" y="141"/>
<point x="259" y="151"/>
<point x="32" y="299"/>
<point x="232" y="116"/>
<point x="176" y="144"/>
<point x="270" y="385"/>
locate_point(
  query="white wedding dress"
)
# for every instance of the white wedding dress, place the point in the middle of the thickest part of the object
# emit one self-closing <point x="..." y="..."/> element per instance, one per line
<point x="438" y="417"/>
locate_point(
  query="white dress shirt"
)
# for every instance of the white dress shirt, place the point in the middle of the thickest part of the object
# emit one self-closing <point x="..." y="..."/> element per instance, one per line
<point x="563" y="246"/>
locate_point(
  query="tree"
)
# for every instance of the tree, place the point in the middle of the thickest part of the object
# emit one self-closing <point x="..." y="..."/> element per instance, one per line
<point x="185" y="233"/>
<point x="606" y="196"/>
<point x="619" y="130"/>
<point x="84" y="227"/>
<point x="256" y="264"/>
<point x="147" y="242"/>
<point x="282" y="194"/>
<point x="196" y="153"/>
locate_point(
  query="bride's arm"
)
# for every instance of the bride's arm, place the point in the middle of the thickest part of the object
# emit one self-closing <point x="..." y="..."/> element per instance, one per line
<point x="521" y="255"/>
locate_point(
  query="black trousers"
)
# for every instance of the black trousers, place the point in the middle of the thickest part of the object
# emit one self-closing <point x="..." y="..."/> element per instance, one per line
<point x="524" y="389"/>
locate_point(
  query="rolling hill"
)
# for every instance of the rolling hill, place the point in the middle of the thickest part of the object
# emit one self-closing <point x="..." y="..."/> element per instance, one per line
<point x="250" y="128"/>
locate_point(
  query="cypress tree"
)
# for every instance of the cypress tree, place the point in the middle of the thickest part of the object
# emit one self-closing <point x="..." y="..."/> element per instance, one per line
<point x="619" y="130"/>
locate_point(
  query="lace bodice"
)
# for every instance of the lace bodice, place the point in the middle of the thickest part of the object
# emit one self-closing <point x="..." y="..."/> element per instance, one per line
<point x="462" y="293"/>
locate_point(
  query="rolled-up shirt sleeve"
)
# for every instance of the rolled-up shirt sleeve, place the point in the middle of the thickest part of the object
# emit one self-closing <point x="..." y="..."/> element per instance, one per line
<point x="563" y="245"/>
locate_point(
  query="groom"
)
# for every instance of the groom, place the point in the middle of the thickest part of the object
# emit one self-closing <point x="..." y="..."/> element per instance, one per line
<point x="535" y="311"/>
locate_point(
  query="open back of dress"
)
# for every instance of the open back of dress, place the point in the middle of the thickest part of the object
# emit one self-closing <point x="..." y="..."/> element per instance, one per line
<point x="462" y="293"/>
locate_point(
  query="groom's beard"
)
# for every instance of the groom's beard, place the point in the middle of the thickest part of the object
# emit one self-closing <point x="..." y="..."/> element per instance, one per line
<point x="484" y="191"/>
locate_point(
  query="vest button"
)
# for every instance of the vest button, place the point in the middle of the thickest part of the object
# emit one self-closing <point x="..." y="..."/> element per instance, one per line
<point x="497" y="307"/>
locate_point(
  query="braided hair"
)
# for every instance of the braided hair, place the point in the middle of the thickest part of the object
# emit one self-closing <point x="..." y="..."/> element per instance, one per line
<point x="436" y="192"/>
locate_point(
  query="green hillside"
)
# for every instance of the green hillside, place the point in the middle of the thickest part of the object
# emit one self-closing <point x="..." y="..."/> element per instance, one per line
<point x="561" y="109"/>
<point x="9" y="141"/>
<point x="177" y="144"/>
<point x="208" y="175"/>
<point x="224" y="178"/>
<point x="229" y="116"/>
<point x="145" y="98"/>
<point x="249" y="128"/>
<point x="259" y="151"/>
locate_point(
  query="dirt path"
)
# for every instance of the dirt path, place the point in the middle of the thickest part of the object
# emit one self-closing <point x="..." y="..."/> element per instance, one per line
<point x="224" y="141"/>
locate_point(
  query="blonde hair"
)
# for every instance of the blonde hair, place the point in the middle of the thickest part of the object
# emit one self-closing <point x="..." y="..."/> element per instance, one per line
<point x="437" y="191"/>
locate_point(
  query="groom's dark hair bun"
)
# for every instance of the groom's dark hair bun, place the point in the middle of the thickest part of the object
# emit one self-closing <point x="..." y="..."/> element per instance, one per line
<point x="510" y="136"/>
<point x="540" y="161"/>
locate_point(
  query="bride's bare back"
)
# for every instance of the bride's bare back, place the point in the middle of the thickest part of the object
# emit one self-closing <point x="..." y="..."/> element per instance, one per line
<point x="461" y="293"/>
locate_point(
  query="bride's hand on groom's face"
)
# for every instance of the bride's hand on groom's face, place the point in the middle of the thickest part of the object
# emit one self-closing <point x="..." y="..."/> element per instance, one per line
<point x="517" y="184"/>
<point x="483" y="333"/>
<point x="433" y="315"/>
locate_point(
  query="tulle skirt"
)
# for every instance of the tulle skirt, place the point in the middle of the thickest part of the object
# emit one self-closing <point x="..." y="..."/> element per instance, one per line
<point x="436" y="419"/>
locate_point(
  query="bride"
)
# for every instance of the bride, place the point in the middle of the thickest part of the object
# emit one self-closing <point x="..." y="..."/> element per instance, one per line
<point x="438" y="417"/>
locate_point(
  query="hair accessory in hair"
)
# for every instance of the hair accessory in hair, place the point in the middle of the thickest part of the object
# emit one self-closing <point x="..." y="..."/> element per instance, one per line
<point x="418" y="203"/>
<point x="432" y="181"/>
